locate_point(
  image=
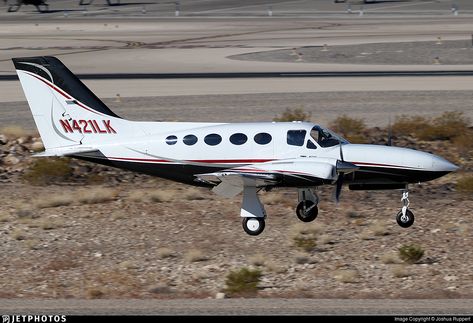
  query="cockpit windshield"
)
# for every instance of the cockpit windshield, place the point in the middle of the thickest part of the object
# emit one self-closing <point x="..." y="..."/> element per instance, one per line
<point x="326" y="138"/>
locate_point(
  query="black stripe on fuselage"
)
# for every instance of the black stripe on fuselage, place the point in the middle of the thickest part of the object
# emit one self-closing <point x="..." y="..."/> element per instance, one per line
<point x="393" y="175"/>
<point x="185" y="173"/>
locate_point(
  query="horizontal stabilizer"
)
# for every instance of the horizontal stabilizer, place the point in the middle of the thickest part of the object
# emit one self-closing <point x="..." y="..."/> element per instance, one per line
<point x="66" y="151"/>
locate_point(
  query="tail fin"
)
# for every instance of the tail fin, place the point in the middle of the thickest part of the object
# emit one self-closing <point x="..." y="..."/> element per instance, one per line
<point x="65" y="111"/>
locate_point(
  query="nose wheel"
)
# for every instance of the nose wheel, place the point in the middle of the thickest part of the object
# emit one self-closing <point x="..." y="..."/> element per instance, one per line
<point x="405" y="217"/>
<point x="405" y="220"/>
<point x="253" y="226"/>
<point x="307" y="211"/>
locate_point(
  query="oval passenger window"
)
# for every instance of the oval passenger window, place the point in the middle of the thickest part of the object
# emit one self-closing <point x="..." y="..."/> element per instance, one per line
<point x="213" y="139"/>
<point x="238" y="138"/>
<point x="190" y="140"/>
<point x="263" y="138"/>
<point x="171" y="140"/>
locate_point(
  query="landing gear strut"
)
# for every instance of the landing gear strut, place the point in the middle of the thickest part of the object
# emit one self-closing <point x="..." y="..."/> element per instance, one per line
<point x="405" y="218"/>
<point x="307" y="209"/>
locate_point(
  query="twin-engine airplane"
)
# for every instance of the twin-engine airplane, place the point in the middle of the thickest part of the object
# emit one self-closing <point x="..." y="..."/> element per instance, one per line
<point x="230" y="158"/>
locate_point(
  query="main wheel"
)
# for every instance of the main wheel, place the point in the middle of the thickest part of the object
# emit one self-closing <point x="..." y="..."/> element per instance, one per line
<point x="253" y="226"/>
<point x="405" y="221"/>
<point x="307" y="211"/>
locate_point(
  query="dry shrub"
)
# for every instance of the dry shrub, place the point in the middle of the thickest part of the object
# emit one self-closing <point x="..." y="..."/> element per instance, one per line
<point x="44" y="171"/>
<point x="301" y="258"/>
<point x="165" y="253"/>
<point x="305" y="243"/>
<point x="257" y="260"/>
<point x="275" y="268"/>
<point x="50" y="224"/>
<point x="53" y="201"/>
<point x="19" y="234"/>
<point x="465" y="184"/>
<point x="306" y="229"/>
<point x="194" y="255"/>
<point x="409" y="125"/>
<point x="400" y="271"/>
<point x="128" y="264"/>
<point x="114" y="283"/>
<point x="411" y="253"/>
<point x="4" y="217"/>
<point x="379" y="229"/>
<point x="304" y="235"/>
<point x="346" y="275"/>
<point x="95" y="179"/>
<point x="95" y="293"/>
<point x="14" y="132"/>
<point x="161" y="196"/>
<point x="65" y="262"/>
<point x="25" y="210"/>
<point x="350" y="128"/>
<point x="289" y="115"/>
<point x="32" y="244"/>
<point x="97" y="195"/>
<point x="137" y="196"/>
<point x="390" y="258"/>
<point x="243" y="282"/>
<point x="326" y="239"/>
<point x="447" y="126"/>
<point x="273" y="199"/>
<point x="193" y="195"/>
<point x="464" y="143"/>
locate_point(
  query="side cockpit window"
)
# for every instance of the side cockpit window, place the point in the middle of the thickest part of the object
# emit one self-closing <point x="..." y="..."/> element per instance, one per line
<point x="296" y="137"/>
<point x="311" y="145"/>
<point x="326" y="138"/>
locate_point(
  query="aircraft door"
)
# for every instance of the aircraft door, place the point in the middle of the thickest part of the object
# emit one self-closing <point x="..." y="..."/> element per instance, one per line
<point x="293" y="145"/>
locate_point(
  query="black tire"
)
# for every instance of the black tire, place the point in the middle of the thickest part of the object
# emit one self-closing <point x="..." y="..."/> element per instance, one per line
<point x="303" y="214"/>
<point x="249" y="226"/>
<point x="407" y="222"/>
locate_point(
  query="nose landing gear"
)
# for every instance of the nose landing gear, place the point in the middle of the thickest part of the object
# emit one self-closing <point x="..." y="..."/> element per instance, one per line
<point x="307" y="209"/>
<point x="405" y="218"/>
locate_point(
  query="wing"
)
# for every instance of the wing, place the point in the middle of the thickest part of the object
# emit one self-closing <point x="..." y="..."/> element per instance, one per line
<point x="231" y="182"/>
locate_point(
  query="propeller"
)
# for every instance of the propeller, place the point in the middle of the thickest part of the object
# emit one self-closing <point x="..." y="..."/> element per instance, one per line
<point x="342" y="167"/>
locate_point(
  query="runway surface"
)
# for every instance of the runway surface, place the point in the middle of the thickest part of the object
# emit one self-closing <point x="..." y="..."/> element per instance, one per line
<point x="259" y="306"/>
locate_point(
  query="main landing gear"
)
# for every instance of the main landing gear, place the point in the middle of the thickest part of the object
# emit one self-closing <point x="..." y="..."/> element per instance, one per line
<point x="405" y="218"/>
<point x="307" y="209"/>
<point x="253" y="226"/>
<point x="252" y="212"/>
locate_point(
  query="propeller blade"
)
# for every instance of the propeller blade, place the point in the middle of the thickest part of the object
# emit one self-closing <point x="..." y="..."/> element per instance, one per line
<point x="341" y="152"/>
<point x="338" y="188"/>
<point x="390" y="134"/>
